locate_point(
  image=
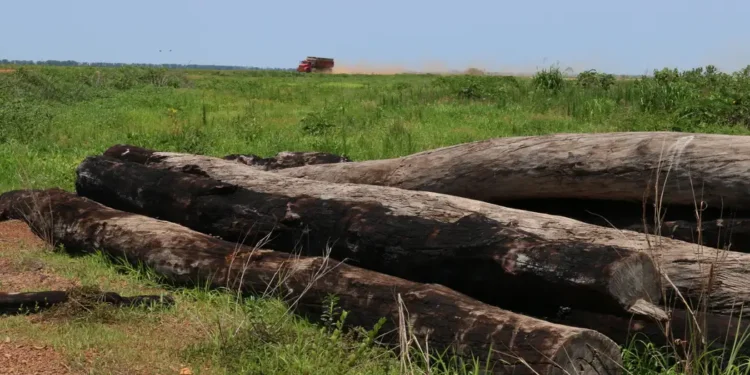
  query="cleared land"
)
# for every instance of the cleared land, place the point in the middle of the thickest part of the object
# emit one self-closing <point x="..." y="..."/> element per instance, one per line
<point x="52" y="118"/>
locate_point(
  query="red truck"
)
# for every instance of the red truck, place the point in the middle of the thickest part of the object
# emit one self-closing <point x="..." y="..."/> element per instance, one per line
<point x="315" y="64"/>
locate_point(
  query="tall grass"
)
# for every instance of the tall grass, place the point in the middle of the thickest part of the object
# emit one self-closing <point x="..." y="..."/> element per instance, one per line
<point x="65" y="113"/>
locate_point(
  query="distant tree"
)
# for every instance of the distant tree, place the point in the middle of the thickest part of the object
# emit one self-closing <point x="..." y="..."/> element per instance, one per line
<point x="107" y="64"/>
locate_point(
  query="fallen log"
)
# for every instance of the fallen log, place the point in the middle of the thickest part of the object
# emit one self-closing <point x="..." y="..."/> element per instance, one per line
<point x="682" y="330"/>
<point x="701" y="275"/>
<point x="287" y="159"/>
<point x="31" y="302"/>
<point x="446" y="317"/>
<point x="730" y="234"/>
<point x="715" y="229"/>
<point x="686" y="168"/>
<point x="417" y="236"/>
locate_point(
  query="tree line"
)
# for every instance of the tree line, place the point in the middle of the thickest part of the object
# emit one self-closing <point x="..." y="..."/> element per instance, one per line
<point x="107" y="64"/>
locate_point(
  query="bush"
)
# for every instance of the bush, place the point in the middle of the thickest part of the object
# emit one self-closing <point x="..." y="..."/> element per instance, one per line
<point x="476" y="87"/>
<point x="21" y="120"/>
<point x="699" y="96"/>
<point x="550" y="79"/>
<point x="319" y="123"/>
<point x="592" y="79"/>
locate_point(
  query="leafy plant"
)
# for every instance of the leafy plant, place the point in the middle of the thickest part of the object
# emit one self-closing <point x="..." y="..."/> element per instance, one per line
<point x="593" y="79"/>
<point x="319" y="123"/>
<point x="551" y="79"/>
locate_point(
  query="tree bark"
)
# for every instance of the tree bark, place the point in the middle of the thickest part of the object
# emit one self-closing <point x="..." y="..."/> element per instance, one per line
<point x="287" y="159"/>
<point x="603" y="166"/>
<point x="682" y="330"/>
<point x="414" y="235"/>
<point x="184" y="256"/>
<point x="729" y="234"/>
<point x="30" y="302"/>
<point x="701" y="275"/>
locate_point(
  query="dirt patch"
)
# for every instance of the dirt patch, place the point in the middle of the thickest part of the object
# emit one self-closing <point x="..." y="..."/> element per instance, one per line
<point x="6" y="71"/>
<point x="21" y="358"/>
<point x="17" y="233"/>
<point x="28" y="359"/>
<point x="19" y="273"/>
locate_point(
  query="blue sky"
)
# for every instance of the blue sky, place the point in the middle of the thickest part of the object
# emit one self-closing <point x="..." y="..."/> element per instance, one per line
<point x="629" y="37"/>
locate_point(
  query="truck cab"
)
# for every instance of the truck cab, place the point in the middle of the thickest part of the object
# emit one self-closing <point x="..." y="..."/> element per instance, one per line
<point x="304" y="66"/>
<point x="315" y="64"/>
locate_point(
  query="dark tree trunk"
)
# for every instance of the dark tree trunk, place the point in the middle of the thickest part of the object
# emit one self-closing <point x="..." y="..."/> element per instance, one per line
<point x="683" y="329"/>
<point x="414" y="235"/>
<point x="287" y="159"/>
<point x="719" y="277"/>
<point x="30" y="302"/>
<point x="185" y="256"/>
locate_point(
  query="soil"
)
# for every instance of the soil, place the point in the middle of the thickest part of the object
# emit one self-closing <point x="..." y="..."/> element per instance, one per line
<point x="24" y="358"/>
<point x="29" y="359"/>
<point x="7" y="71"/>
<point x="21" y="271"/>
<point x="15" y="239"/>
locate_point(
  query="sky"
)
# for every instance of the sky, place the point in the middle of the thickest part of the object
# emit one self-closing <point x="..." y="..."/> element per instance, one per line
<point x="621" y="37"/>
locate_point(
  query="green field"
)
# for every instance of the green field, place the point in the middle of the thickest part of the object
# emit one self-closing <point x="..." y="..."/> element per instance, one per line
<point x="52" y="117"/>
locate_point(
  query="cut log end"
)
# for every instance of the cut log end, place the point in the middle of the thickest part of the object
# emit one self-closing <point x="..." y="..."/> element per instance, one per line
<point x="644" y="308"/>
<point x="587" y="352"/>
<point x="636" y="281"/>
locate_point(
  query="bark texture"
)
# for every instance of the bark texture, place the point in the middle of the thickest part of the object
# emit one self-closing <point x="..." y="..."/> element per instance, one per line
<point x="730" y="234"/>
<point x="30" y="302"/>
<point x="720" y="278"/>
<point x="712" y="331"/>
<point x="287" y="159"/>
<point x="414" y="235"/>
<point x="183" y="255"/>
<point x="606" y="166"/>
<point x="717" y="228"/>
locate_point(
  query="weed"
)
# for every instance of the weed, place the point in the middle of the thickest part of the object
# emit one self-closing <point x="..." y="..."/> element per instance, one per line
<point x="319" y="123"/>
<point x="593" y="79"/>
<point x="551" y="79"/>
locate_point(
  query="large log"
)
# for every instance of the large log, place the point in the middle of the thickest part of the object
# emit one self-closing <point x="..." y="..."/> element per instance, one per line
<point x="446" y="317"/>
<point x="30" y="302"/>
<point x="713" y="228"/>
<point x="605" y="166"/>
<point x="695" y="329"/>
<point x="700" y="274"/>
<point x="730" y="234"/>
<point x="418" y="236"/>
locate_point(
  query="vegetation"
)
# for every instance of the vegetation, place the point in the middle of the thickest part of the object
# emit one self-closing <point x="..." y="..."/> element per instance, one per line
<point x="52" y="117"/>
<point x="110" y="65"/>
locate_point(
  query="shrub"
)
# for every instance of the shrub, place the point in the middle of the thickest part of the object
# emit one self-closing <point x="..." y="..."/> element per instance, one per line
<point x="593" y="79"/>
<point x="475" y="87"/>
<point x="319" y="123"/>
<point x="550" y="79"/>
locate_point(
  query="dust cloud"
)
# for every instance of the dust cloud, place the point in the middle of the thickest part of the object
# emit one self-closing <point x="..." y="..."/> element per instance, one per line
<point x="390" y="69"/>
<point x="432" y="67"/>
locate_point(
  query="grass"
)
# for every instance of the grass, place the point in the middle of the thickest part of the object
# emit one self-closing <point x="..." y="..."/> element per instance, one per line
<point x="52" y="117"/>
